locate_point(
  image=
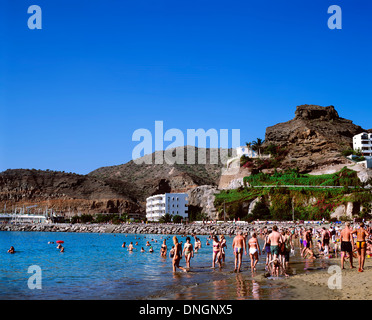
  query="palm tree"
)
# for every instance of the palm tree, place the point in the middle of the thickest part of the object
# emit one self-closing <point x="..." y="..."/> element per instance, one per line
<point x="257" y="145"/>
<point x="249" y="146"/>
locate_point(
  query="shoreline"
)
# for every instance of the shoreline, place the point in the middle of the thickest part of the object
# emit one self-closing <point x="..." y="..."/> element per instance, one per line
<point x="311" y="284"/>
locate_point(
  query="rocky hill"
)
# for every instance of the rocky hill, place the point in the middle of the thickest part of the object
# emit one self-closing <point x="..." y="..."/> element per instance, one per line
<point x="314" y="138"/>
<point x="312" y="141"/>
<point x="63" y="192"/>
<point x="147" y="178"/>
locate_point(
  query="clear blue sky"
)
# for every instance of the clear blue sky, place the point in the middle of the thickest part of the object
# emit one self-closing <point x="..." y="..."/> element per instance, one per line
<point x="72" y="94"/>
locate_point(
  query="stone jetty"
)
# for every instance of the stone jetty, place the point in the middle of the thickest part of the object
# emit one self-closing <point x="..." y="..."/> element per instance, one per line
<point x="138" y="228"/>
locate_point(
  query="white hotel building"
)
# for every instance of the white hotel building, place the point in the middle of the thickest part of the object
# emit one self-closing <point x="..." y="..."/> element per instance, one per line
<point x="172" y="203"/>
<point x="363" y="142"/>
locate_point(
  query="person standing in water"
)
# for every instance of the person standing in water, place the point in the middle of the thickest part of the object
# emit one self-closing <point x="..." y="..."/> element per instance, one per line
<point x="163" y="249"/>
<point x="254" y="251"/>
<point x="177" y="255"/>
<point x="130" y="247"/>
<point x="216" y="251"/>
<point x="223" y="247"/>
<point x="275" y="238"/>
<point x="238" y="246"/>
<point x="188" y="252"/>
<point x="267" y="248"/>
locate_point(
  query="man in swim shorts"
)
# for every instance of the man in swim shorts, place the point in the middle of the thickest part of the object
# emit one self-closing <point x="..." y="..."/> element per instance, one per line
<point x="275" y="238"/>
<point x="346" y="245"/>
<point x="238" y="246"/>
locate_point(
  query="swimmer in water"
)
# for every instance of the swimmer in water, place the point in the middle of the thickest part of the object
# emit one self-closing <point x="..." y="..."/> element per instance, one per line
<point x="11" y="250"/>
<point x="130" y="247"/>
<point x="123" y="245"/>
<point x="142" y="250"/>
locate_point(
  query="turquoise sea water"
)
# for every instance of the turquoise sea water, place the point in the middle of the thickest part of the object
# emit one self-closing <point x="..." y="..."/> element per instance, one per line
<point x="95" y="266"/>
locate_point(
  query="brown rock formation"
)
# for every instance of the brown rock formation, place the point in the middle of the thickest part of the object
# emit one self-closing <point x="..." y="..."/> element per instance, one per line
<point x="149" y="179"/>
<point x="314" y="138"/>
<point x="62" y="192"/>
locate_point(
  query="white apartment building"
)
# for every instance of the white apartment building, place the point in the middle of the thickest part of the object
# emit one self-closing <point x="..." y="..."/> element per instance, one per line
<point x="363" y="142"/>
<point x="172" y="203"/>
<point x="240" y="151"/>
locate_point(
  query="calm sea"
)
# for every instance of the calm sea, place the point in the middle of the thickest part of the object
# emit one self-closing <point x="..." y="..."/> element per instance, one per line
<point x="95" y="266"/>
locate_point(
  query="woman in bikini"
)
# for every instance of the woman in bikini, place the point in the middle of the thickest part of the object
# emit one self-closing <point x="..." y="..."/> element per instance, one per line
<point x="177" y="255"/>
<point x="163" y="249"/>
<point x="361" y="245"/>
<point x="188" y="252"/>
<point x="254" y="250"/>
<point x="216" y="252"/>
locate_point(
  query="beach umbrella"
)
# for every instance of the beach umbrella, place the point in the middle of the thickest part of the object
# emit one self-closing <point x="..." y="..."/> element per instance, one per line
<point x="59" y="241"/>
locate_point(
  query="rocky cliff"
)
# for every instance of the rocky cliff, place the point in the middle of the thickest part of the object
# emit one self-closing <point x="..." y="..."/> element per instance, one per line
<point x="147" y="178"/>
<point x="314" y="138"/>
<point x="63" y="192"/>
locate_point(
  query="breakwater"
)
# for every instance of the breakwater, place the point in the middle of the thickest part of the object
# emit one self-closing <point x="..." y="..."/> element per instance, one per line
<point x="134" y="228"/>
<point x="138" y="228"/>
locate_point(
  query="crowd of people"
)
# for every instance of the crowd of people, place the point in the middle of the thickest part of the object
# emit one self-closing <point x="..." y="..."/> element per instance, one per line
<point x="350" y="241"/>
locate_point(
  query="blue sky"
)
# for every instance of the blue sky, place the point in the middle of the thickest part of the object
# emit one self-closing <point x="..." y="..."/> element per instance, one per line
<point x="73" y="93"/>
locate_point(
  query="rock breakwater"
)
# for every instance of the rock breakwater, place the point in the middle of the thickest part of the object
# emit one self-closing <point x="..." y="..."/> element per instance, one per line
<point x="137" y="228"/>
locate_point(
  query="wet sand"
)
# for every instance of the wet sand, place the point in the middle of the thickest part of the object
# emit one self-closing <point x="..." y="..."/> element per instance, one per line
<point x="354" y="285"/>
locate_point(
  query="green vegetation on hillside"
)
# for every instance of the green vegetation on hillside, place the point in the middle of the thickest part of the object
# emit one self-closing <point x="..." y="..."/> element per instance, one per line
<point x="305" y="203"/>
<point x="344" y="177"/>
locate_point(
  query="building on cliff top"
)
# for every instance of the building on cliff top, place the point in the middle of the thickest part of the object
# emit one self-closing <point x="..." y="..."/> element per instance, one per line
<point x="171" y="203"/>
<point x="363" y="142"/>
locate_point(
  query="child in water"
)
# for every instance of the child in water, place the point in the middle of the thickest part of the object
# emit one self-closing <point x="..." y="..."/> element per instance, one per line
<point x="275" y="267"/>
<point x="171" y="253"/>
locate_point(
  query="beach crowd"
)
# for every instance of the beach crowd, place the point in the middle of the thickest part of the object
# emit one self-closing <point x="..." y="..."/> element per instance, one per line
<point x="349" y="242"/>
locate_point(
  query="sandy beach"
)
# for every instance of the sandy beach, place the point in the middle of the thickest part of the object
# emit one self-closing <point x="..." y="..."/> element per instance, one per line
<point x="354" y="285"/>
